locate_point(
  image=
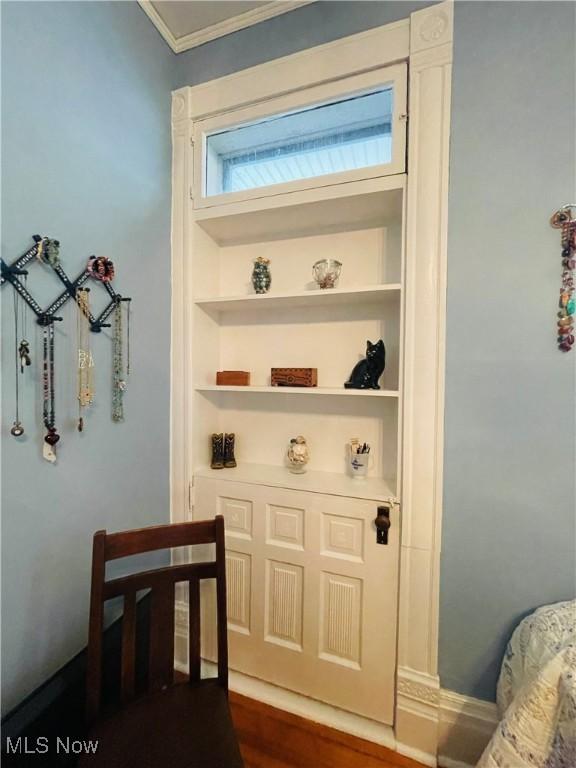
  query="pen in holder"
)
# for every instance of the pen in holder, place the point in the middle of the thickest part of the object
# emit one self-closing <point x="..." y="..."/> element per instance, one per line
<point x="359" y="459"/>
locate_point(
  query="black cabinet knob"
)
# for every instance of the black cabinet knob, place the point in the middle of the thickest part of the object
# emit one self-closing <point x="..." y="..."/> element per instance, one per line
<point x="382" y="523"/>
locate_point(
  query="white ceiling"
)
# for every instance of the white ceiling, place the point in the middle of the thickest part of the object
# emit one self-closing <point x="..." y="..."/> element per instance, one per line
<point x="185" y="24"/>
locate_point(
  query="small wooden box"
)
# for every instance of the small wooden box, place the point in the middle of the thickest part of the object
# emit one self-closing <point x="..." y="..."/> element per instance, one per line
<point x="233" y="378"/>
<point x="294" y="377"/>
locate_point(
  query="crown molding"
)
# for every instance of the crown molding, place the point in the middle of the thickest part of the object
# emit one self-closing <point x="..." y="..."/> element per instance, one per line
<point x="159" y="23"/>
<point x="222" y="28"/>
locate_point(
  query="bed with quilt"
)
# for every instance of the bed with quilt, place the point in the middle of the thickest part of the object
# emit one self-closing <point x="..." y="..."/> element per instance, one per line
<point x="537" y="694"/>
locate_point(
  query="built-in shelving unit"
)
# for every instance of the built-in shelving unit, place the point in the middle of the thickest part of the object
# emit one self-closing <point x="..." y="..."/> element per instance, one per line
<point x="336" y="484"/>
<point x="356" y="205"/>
<point x="318" y="391"/>
<point x="311" y="298"/>
<point x="316" y="605"/>
<point x="296" y="324"/>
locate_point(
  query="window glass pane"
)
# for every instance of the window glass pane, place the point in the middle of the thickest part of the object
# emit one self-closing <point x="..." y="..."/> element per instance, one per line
<point x="329" y="138"/>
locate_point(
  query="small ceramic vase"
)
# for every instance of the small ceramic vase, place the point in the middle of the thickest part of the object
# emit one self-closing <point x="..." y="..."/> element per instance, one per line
<point x="297" y="455"/>
<point x="261" y="277"/>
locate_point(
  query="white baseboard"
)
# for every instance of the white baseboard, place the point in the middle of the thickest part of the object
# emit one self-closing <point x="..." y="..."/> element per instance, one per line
<point x="465" y="727"/>
<point x="429" y="721"/>
<point x="310" y="709"/>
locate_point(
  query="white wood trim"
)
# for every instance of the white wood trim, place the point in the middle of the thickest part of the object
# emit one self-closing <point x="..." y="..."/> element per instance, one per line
<point x="465" y="728"/>
<point x="320" y="297"/>
<point x="317" y="391"/>
<point x="221" y="28"/>
<point x="355" y="54"/>
<point x="179" y="350"/>
<point x="423" y="385"/>
<point x="159" y="23"/>
<point x="394" y="76"/>
<point x="235" y="23"/>
<point x="372" y="488"/>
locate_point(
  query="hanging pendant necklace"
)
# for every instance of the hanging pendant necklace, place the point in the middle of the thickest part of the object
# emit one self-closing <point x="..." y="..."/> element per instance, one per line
<point x="85" y="359"/>
<point x="118" y="380"/>
<point x="17" y="428"/>
<point x="24" y="346"/>
<point x="48" y="405"/>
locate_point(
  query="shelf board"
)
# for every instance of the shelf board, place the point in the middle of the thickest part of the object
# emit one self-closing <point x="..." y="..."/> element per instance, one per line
<point x="329" y="297"/>
<point x="318" y="391"/>
<point x="372" y="488"/>
<point x="365" y="204"/>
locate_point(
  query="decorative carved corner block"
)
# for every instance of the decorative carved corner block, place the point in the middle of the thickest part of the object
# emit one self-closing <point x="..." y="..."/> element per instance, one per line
<point x="431" y="27"/>
<point x="180" y="104"/>
<point x="419" y="687"/>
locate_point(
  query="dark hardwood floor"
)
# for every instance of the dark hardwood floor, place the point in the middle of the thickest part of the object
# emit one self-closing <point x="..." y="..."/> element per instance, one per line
<point x="271" y="738"/>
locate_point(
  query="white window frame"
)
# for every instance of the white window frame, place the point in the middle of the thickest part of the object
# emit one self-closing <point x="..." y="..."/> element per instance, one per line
<point x="394" y="77"/>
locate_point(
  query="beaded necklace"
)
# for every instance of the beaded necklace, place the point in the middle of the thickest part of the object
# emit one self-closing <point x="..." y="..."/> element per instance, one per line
<point x="85" y="377"/>
<point x="48" y="403"/>
<point x="22" y="356"/>
<point x="118" y="374"/>
<point x="563" y="220"/>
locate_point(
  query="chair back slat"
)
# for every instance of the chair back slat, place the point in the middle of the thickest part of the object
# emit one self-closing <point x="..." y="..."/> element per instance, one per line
<point x="157" y="537"/>
<point x="161" y="582"/>
<point x="96" y="626"/>
<point x="194" y="629"/>
<point x="151" y="579"/>
<point x="221" y="603"/>
<point x="161" y="659"/>
<point x="128" y="648"/>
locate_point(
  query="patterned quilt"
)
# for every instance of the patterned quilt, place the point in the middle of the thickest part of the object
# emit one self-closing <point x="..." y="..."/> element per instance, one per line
<point x="537" y="694"/>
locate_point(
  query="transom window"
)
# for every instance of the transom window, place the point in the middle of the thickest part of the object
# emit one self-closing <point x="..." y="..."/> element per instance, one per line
<point x="343" y="135"/>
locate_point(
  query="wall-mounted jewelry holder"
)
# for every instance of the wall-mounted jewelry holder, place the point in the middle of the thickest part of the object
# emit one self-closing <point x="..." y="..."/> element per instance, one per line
<point x="12" y="273"/>
<point x="564" y="220"/>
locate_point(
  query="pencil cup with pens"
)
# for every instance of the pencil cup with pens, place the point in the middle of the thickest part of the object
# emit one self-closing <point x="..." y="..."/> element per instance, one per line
<point x="358" y="458"/>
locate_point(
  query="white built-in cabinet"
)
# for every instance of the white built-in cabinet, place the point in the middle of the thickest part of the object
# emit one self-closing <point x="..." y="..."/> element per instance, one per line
<point x="316" y="606"/>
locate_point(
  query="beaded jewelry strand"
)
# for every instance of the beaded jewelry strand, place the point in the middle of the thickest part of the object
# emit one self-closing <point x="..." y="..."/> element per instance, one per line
<point x="119" y="383"/>
<point x="17" y="428"/>
<point x="562" y="219"/>
<point x="48" y="403"/>
<point x="85" y="378"/>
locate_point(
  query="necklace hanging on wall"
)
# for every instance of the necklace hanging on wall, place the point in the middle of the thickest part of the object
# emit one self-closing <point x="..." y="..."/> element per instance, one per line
<point x="21" y="358"/>
<point x="563" y="220"/>
<point x="85" y="369"/>
<point x="119" y="370"/>
<point x="49" y="403"/>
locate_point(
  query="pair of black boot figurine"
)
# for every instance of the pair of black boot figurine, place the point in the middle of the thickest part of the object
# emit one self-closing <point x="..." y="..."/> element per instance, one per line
<point x="223" y="451"/>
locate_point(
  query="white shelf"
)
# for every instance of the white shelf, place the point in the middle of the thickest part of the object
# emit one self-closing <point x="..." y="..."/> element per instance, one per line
<point x="372" y="488"/>
<point x="338" y="208"/>
<point x="326" y="298"/>
<point x="318" y="391"/>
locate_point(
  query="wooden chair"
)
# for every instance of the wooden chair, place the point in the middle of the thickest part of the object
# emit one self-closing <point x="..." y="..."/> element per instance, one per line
<point x="186" y="725"/>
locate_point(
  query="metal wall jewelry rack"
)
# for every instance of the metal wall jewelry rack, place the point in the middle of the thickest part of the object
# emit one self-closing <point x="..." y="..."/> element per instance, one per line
<point x="12" y="273"/>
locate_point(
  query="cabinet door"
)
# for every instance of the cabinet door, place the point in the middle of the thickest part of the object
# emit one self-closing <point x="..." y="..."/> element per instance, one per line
<point x="312" y="598"/>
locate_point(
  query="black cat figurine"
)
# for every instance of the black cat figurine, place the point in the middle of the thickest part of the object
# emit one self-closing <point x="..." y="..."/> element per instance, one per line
<point x="366" y="373"/>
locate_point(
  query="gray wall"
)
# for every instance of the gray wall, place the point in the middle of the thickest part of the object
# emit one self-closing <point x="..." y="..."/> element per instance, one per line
<point x="86" y="159"/>
<point x="295" y="31"/>
<point x="509" y="500"/>
<point x="508" y="538"/>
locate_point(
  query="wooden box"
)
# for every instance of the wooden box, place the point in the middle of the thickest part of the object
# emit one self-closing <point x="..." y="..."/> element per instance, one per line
<point x="294" y="377"/>
<point x="233" y="378"/>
